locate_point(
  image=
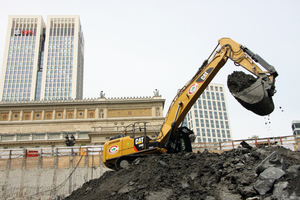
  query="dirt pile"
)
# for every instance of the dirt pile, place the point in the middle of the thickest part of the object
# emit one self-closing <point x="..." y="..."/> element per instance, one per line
<point x="238" y="81"/>
<point x="208" y="176"/>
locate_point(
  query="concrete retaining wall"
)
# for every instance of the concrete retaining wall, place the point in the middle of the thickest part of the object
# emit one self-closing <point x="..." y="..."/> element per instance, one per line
<point x="46" y="177"/>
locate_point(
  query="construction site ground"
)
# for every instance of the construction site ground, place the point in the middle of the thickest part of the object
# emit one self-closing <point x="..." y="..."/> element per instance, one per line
<point x="208" y="176"/>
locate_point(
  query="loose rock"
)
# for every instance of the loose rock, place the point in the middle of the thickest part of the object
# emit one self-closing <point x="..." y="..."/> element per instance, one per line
<point x="230" y="175"/>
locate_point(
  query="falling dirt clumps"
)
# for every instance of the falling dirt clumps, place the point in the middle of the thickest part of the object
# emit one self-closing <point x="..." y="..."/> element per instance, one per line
<point x="238" y="81"/>
<point x="187" y="176"/>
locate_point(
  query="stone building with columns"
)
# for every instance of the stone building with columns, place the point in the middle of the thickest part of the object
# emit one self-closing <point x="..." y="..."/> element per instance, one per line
<point x="92" y="121"/>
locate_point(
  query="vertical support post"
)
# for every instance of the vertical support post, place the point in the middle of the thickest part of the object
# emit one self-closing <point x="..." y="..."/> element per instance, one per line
<point x="92" y="168"/>
<point x="9" y="156"/>
<point x="280" y="140"/>
<point x="87" y="165"/>
<point x="23" y="172"/>
<point x="71" y="179"/>
<point x="53" y="191"/>
<point x="8" y="166"/>
<point x="232" y="144"/>
<point x="40" y="159"/>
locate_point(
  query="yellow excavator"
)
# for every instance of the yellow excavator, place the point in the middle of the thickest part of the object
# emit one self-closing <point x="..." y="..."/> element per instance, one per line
<point x="121" y="150"/>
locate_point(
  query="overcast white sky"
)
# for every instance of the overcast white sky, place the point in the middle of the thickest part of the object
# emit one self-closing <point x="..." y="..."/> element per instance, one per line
<point x="133" y="47"/>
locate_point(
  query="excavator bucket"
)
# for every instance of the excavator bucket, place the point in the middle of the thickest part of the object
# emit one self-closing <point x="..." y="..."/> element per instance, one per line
<point x="257" y="97"/>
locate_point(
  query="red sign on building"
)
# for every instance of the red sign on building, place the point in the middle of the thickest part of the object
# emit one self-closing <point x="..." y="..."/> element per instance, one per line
<point x="32" y="153"/>
<point x="26" y="32"/>
<point x="23" y="32"/>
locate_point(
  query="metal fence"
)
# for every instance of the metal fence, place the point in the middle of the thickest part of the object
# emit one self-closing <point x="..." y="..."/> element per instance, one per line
<point x="289" y="142"/>
<point x="286" y="141"/>
<point x="57" y="151"/>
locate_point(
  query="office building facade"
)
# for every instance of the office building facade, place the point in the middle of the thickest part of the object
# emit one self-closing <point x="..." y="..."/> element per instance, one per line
<point x="296" y="128"/>
<point x="91" y="121"/>
<point x="208" y="118"/>
<point x="43" y="62"/>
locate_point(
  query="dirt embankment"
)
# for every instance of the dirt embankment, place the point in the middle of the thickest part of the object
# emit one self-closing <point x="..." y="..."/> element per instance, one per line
<point x="208" y="176"/>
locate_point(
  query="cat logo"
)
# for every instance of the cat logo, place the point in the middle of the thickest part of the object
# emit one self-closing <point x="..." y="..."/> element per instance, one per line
<point x="139" y="143"/>
<point x="204" y="75"/>
<point x="139" y="140"/>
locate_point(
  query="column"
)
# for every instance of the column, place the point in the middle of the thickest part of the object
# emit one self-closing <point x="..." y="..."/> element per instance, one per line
<point x="65" y="114"/>
<point x="43" y="115"/>
<point x="21" y="115"/>
<point x="85" y="113"/>
<point x="97" y="113"/>
<point x="75" y="113"/>
<point x="32" y="115"/>
<point x="9" y="115"/>
<point x="54" y="113"/>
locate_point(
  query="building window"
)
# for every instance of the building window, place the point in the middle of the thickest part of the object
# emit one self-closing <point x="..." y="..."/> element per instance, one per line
<point x="205" y="114"/>
<point x="211" y="115"/>
<point x="224" y="106"/>
<point x="208" y="132"/>
<point x="216" y="115"/>
<point x="199" y="104"/>
<point x="203" y="131"/>
<point x="220" y="115"/>
<point x="225" y="116"/>
<point x="218" y="97"/>
<point x="207" y="123"/>
<point x="226" y="124"/>
<point x="217" y="124"/>
<point x="201" y="113"/>
<point x="213" y="132"/>
<point x="212" y="123"/>
<point x="208" y="95"/>
<point x="202" y="122"/>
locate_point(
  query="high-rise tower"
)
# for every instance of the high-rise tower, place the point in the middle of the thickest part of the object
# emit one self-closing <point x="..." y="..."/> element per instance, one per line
<point x="208" y="118"/>
<point x="43" y="62"/>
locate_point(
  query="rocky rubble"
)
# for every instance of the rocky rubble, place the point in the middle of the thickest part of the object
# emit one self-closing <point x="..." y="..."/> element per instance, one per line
<point x="208" y="176"/>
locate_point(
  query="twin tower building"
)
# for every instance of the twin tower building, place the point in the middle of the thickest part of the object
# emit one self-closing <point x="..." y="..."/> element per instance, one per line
<point x="42" y="61"/>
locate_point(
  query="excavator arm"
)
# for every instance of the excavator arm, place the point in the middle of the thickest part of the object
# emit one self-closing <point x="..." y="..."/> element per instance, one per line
<point x="257" y="98"/>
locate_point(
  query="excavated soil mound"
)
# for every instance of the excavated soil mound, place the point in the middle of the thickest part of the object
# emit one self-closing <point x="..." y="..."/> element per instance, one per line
<point x="208" y="176"/>
<point x="238" y="81"/>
